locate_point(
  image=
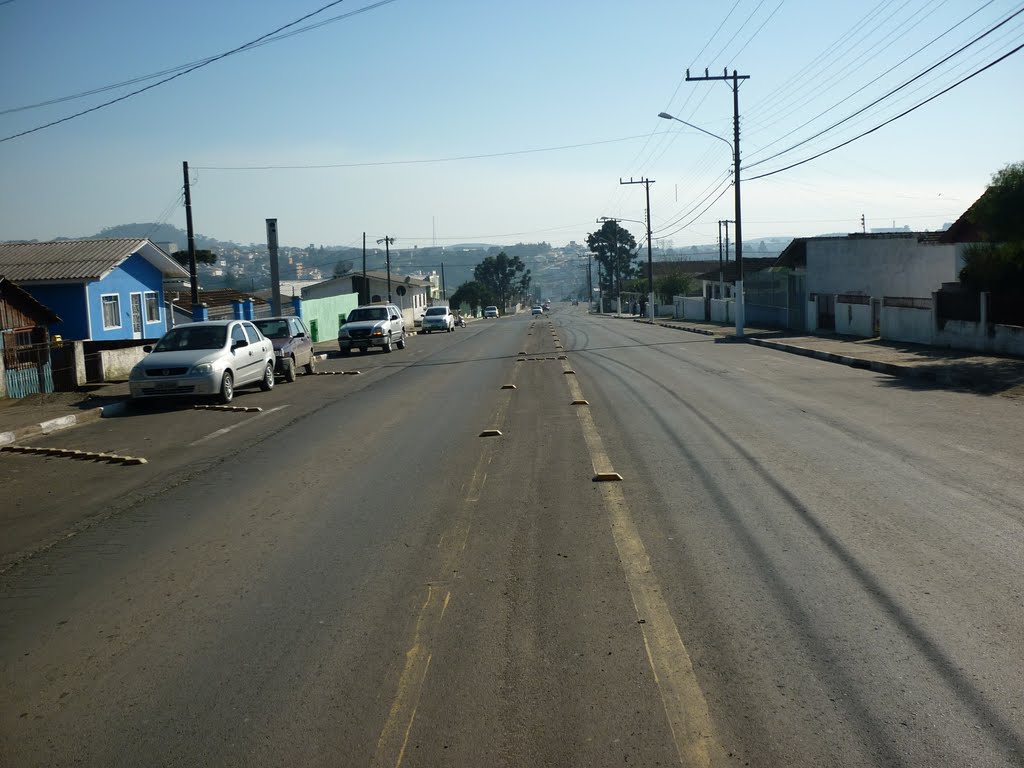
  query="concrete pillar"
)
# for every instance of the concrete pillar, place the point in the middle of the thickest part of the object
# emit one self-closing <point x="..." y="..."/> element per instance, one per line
<point x="237" y="313"/>
<point x="200" y="312"/>
<point x="983" y="316"/>
<point x="297" y="305"/>
<point x="80" y="375"/>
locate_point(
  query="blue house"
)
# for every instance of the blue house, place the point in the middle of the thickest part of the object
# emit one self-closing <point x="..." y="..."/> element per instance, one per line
<point x="104" y="290"/>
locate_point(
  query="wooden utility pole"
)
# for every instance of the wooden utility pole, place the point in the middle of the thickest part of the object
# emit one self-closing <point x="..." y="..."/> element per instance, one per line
<point x="192" y="277"/>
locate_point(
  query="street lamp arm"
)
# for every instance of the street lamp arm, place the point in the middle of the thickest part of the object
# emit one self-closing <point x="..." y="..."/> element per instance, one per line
<point x="667" y="116"/>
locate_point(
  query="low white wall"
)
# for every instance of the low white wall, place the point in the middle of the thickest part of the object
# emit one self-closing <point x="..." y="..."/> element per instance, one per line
<point x="964" y="334"/>
<point x="1008" y="339"/>
<point x="693" y="308"/>
<point x="812" y="316"/>
<point x="118" y="363"/>
<point x="906" y="324"/>
<point x="853" y="320"/>
<point x="722" y="311"/>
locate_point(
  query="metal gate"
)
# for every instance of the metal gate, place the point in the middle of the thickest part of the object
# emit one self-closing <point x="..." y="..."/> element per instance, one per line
<point x="27" y="367"/>
<point x="826" y="312"/>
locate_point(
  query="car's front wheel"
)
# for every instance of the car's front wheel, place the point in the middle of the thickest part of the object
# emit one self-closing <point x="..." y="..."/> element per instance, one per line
<point x="267" y="382"/>
<point x="311" y="365"/>
<point x="227" y="388"/>
<point x="401" y="341"/>
<point x="387" y="344"/>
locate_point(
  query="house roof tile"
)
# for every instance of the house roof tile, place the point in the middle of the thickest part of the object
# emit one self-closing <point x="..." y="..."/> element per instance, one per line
<point x="78" y="259"/>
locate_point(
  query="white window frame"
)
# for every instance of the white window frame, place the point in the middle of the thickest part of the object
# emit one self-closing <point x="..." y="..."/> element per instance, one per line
<point x="117" y="313"/>
<point x="145" y="306"/>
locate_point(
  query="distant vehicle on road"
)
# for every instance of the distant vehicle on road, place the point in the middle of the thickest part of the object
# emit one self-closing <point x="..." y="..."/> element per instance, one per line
<point x="293" y="346"/>
<point x="373" y="325"/>
<point x="546" y="306"/>
<point x="209" y="358"/>
<point x="491" y="311"/>
<point x="439" y="318"/>
<point x="537" y="310"/>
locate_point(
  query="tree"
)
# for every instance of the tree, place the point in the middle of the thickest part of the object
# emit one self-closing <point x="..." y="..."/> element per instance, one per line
<point x="343" y="267"/>
<point x="473" y="293"/>
<point x="675" y="283"/>
<point x="203" y="256"/>
<point x="997" y="264"/>
<point x="614" y="248"/>
<point x="997" y="213"/>
<point x="502" y="276"/>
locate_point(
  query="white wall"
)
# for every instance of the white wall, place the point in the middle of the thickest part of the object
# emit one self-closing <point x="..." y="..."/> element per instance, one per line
<point x="118" y="363"/>
<point x="880" y="266"/>
<point x="854" y="320"/>
<point x="812" y="316"/>
<point x="693" y="308"/>
<point x="722" y="311"/>
<point x="906" y="324"/>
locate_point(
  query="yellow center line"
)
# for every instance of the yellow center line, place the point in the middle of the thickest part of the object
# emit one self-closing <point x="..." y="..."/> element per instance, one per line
<point x="395" y="734"/>
<point x="685" y="706"/>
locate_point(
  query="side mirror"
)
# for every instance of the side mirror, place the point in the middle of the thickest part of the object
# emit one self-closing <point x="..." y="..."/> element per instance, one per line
<point x="147" y="349"/>
<point x="300" y="335"/>
<point x="238" y="343"/>
<point x="394" y="317"/>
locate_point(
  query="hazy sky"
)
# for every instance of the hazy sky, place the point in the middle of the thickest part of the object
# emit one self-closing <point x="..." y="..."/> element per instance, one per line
<point x="396" y="92"/>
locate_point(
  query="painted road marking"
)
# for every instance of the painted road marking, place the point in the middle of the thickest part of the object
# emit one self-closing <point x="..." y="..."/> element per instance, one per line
<point x="225" y="430"/>
<point x="681" y="696"/>
<point x="394" y="737"/>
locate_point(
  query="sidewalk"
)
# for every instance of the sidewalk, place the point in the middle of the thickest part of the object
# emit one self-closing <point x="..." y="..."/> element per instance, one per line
<point x="937" y="366"/>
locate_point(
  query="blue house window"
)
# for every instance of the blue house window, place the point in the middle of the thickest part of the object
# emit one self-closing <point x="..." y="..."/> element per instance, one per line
<point x="111" y="311"/>
<point x="152" y="308"/>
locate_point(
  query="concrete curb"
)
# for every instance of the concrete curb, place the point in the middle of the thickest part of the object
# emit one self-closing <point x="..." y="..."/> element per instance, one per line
<point x="889" y="369"/>
<point x="53" y="425"/>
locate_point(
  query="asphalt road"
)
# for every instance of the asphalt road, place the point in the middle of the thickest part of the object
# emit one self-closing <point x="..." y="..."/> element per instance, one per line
<point x="803" y="565"/>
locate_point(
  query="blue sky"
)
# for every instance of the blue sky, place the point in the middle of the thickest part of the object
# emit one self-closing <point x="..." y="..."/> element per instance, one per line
<point x="414" y="80"/>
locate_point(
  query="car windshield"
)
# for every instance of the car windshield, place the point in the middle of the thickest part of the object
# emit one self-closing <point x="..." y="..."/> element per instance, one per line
<point x="362" y="314"/>
<point x="273" y="329"/>
<point x="193" y="337"/>
<point x="437" y="311"/>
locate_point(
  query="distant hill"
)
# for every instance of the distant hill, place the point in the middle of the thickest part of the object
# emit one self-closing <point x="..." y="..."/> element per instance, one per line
<point x="159" y="233"/>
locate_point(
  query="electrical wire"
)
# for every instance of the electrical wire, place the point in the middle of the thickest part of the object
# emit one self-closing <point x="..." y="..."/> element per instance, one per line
<point x="873" y="81"/>
<point x="188" y="70"/>
<point x="892" y="92"/>
<point x="892" y="119"/>
<point x="423" y="161"/>
<point x="694" y="219"/>
<point x="154" y="75"/>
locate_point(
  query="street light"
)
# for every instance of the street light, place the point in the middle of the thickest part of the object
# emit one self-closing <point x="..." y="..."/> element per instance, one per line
<point x="387" y="260"/>
<point x="740" y="309"/>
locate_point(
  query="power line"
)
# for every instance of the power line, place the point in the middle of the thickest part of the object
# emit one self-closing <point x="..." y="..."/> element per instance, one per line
<point x="694" y="219"/>
<point x="174" y="76"/>
<point x="153" y="75"/>
<point x="892" y="119"/>
<point x="876" y="79"/>
<point x="894" y="90"/>
<point x="415" y="162"/>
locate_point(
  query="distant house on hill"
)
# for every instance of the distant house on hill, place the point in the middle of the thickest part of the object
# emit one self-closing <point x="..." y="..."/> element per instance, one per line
<point x="104" y="290"/>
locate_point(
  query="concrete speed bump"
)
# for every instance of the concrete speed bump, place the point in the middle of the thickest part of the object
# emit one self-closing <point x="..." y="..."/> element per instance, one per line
<point x="231" y="408"/>
<point x="569" y="373"/>
<point x="67" y="453"/>
<point x="580" y="402"/>
<point x="607" y="477"/>
<point x="508" y="386"/>
<point x="563" y="357"/>
<point x="351" y="373"/>
<point x="491" y="433"/>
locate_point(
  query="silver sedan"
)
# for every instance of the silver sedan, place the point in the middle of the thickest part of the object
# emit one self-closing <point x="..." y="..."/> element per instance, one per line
<point x="208" y="358"/>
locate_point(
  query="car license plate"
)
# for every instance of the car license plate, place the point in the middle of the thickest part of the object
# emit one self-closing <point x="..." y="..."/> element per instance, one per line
<point x="166" y="385"/>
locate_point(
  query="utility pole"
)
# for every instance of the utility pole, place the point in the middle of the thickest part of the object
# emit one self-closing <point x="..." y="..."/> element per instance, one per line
<point x="721" y="267"/>
<point x="192" y="277"/>
<point x="735" y="78"/>
<point x="650" y="258"/>
<point x="444" y="286"/>
<point x="275" y="270"/>
<point x="387" y="259"/>
<point x="863" y="225"/>
<point x="366" y="286"/>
